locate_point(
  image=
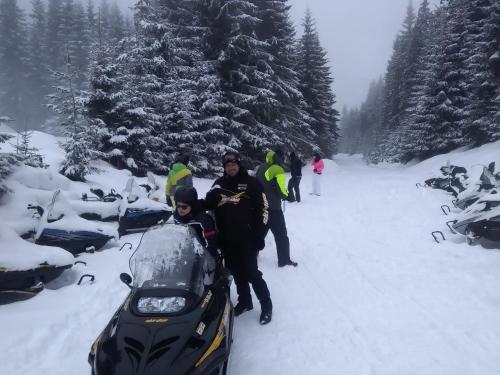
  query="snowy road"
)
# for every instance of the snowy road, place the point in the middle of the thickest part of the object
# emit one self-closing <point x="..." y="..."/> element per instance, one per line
<point x="373" y="294"/>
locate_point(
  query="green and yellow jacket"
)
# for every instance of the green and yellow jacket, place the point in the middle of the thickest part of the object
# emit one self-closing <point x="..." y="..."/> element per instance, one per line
<point x="179" y="175"/>
<point x="272" y="176"/>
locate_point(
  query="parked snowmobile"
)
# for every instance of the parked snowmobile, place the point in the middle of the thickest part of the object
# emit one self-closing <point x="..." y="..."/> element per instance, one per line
<point x="138" y="212"/>
<point x="170" y="323"/>
<point x="60" y="226"/>
<point x="481" y="219"/>
<point x="25" y="267"/>
<point x="100" y="206"/>
<point x="487" y="181"/>
<point x="453" y="182"/>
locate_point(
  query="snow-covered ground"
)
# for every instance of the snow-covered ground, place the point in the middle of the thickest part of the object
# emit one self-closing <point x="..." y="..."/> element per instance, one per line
<point x="373" y="293"/>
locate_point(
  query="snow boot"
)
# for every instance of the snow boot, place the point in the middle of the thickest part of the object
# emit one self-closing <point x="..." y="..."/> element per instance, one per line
<point x="267" y="312"/>
<point x="240" y="308"/>
<point x="289" y="263"/>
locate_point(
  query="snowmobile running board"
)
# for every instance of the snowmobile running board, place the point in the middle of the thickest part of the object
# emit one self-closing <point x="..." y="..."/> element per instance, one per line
<point x="443" y="209"/>
<point x="451" y="228"/>
<point x="126" y="244"/>
<point x="91" y="277"/>
<point x="434" y="235"/>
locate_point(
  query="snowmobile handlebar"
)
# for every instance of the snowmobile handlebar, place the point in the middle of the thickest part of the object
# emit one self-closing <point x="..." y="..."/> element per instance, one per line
<point x="39" y="209"/>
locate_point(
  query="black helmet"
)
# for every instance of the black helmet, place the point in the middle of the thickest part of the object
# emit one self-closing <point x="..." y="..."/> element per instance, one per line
<point x="182" y="158"/>
<point x="186" y="195"/>
<point x="231" y="156"/>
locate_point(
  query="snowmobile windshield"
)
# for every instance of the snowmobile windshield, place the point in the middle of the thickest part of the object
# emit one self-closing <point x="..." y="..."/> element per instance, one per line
<point x="169" y="256"/>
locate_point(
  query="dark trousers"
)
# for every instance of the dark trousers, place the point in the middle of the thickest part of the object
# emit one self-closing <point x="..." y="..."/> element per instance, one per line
<point x="278" y="227"/>
<point x="241" y="259"/>
<point x="293" y="188"/>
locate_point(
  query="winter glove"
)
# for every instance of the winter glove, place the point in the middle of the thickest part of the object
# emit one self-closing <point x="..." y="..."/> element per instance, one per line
<point x="259" y="243"/>
<point x="169" y="201"/>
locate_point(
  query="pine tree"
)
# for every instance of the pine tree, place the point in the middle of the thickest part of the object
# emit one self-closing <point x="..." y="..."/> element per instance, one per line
<point x="397" y="82"/>
<point x="117" y="23"/>
<point x="38" y="74"/>
<point x="13" y="59"/>
<point x="416" y="120"/>
<point x="481" y="42"/>
<point x="25" y="152"/>
<point x="285" y="113"/>
<point x="80" y="134"/>
<point x="54" y="34"/>
<point x="315" y="85"/>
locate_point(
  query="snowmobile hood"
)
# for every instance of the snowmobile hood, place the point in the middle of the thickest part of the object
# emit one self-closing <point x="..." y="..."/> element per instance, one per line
<point x="135" y="343"/>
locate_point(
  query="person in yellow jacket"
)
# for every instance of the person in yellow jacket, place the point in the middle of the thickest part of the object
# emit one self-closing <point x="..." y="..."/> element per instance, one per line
<point x="272" y="177"/>
<point x="180" y="175"/>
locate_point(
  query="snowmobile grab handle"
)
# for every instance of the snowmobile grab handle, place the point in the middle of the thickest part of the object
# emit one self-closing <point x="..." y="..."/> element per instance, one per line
<point x="86" y="276"/>
<point x="443" y="209"/>
<point x="126" y="244"/>
<point x="438" y="232"/>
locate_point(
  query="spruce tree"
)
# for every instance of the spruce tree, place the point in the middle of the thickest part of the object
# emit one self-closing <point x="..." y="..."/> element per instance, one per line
<point x="285" y="114"/>
<point x="481" y="42"/>
<point x="316" y="88"/>
<point x="68" y="102"/>
<point x="13" y="60"/>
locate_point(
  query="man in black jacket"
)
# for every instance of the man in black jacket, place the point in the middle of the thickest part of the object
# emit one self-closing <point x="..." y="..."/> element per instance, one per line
<point x="296" y="173"/>
<point x="241" y="214"/>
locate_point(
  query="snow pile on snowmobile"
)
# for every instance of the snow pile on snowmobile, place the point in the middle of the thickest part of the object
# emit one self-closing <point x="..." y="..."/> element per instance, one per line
<point x="25" y="267"/>
<point x="59" y="225"/>
<point x="98" y="206"/>
<point x="137" y="211"/>
<point x="170" y="323"/>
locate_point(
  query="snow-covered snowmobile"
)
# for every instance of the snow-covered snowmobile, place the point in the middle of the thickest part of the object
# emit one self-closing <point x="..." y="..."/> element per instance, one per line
<point x="171" y="322"/>
<point x="481" y="219"/>
<point x="26" y="267"/>
<point x="60" y="226"/>
<point x="487" y="181"/>
<point x="100" y="206"/>
<point x="453" y="182"/>
<point x="138" y="212"/>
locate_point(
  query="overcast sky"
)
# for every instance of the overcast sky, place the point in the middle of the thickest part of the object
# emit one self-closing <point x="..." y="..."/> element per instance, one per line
<point x="358" y="35"/>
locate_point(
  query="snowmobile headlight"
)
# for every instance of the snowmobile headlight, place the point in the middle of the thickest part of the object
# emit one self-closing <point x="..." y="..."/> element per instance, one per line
<point x="155" y="305"/>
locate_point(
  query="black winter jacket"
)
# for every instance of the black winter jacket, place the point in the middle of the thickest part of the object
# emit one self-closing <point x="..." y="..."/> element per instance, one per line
<point x="240" y="206"/>
<point x="296" y="167"/>
<point x="204" y="226"/>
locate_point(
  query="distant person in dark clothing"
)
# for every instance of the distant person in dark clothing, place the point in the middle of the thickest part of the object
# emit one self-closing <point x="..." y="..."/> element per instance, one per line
<point x="189" y="210"/>
<point x="272" y="176"/>
<point x="296" y="175"/>
<point x="241" y="214"/>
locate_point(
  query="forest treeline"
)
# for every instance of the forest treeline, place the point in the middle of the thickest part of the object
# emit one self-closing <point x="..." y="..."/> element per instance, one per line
<point x="441" y="89"/>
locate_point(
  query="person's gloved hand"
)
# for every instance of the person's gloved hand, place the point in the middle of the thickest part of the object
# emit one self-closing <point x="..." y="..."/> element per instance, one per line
<point x="259" y="243"/>
<point x="169" y="201"/>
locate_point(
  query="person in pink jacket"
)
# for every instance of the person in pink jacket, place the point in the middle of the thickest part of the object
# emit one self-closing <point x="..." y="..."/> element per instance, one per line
<point x="318" y="166"/>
